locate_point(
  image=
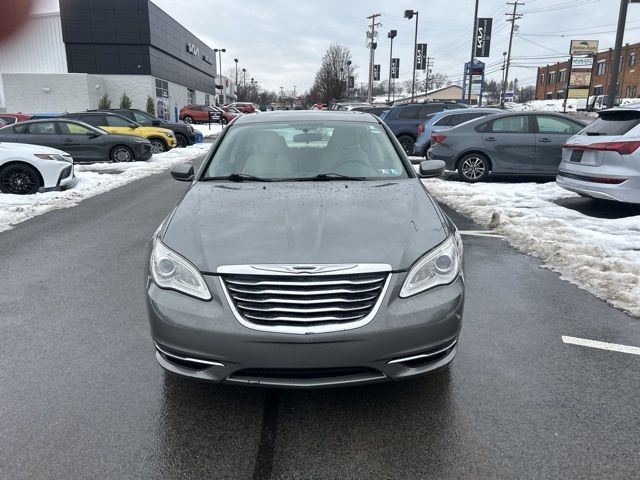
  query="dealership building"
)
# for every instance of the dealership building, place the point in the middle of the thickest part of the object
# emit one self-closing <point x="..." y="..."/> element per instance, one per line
<point x="67" y="61"/>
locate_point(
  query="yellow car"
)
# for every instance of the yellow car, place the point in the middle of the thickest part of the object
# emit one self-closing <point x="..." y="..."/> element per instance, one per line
<point x="162" y="140"/>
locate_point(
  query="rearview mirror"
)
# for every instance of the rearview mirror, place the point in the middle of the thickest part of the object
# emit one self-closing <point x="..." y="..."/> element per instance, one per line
<point x="308" y="137"/>
<point x="182" y="172"/>
<point x="431" y="168"/>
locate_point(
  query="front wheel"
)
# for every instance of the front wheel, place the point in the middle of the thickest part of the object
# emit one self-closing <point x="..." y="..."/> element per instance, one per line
<point x="121" y="153"/>
<point x="182" y="140"/>
<point x="407" y="143"/>
<point x="19" y="180"/>
<point x="473" y="167"/>
<point x="157" y="145"/>
<point x="188" y="119"/>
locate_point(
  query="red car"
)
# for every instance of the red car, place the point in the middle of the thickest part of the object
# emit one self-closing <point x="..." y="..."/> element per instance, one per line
<point x="10" y="118"/>
<point x="244" y="107"/>
<point x="195" y="113"/>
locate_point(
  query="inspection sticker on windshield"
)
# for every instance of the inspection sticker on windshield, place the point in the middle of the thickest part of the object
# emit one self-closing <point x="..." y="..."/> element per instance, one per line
<point x="388" y="171"/>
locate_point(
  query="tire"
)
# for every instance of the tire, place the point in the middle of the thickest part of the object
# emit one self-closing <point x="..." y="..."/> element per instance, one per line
<point x="158" y="145"/>
<point x="121" y="153"/>
<point x="426" y="149"/>
<point x="182" y="140"/>
<point x="407" y="142"/>
<point x="188" y="119"/>
<point x="473" y="167"/>
<point x="19" y="179"/>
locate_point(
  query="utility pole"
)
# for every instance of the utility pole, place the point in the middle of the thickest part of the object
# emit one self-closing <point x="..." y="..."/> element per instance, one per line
<point x="392" y="34"/>
<point x="514" y="16"/>
<point x="504" y="66"/>
<point x="372" y="46"/>
<point x="428" y="71"/>
<point x="615" y="61"/>
<point x="473" y="51"/>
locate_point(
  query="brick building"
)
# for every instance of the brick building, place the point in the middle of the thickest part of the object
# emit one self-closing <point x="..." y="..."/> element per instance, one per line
<point x="552" y="79"/>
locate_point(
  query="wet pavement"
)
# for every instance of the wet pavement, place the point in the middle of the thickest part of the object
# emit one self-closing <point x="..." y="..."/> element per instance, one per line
<point x="81" y="395"/>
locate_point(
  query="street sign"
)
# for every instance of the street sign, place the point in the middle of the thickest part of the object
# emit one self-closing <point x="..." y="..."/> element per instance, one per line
<point x="376" y="73"/>
<point x="395" y="68"/>
<point x="421" y="56"/>
<point x="583" y="47"/>
<point x="581" y="62"/>
<point x="483" y="37"/>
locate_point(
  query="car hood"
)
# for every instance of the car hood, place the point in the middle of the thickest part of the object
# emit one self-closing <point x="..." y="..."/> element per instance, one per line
<point x="28" y="149"/>
<point x="224" y="223"/>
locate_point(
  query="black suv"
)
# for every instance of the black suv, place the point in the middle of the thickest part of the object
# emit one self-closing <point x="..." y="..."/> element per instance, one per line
<point x="185" y="134"/>
<point x="403" y="120"/>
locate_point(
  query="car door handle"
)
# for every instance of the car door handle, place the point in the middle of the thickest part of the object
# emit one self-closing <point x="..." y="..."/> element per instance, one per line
<point x="545" y="140"/>
<point x="67" y="140"/>
<point x="490" y="139"/>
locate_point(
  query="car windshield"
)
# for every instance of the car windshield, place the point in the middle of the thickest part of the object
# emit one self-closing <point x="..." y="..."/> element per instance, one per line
<point x="306" y="150"/>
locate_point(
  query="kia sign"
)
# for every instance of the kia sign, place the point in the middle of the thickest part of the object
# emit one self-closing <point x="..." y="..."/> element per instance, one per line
<point x="483" y="37"/>
<point x="395" y="68"/>
<point x="421" y="56"/>
<point x="583" y="47"/>
<point x="376" y="73"/>
<point x="193" y="49"/>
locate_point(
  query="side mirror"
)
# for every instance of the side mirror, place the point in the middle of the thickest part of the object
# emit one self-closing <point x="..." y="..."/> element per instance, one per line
<point x="431" y="168"/>
<point x="133" y="125"/>
<point x="156" y="123"/>
<point x="182" y="172"/>
<point x="91" y="134"/>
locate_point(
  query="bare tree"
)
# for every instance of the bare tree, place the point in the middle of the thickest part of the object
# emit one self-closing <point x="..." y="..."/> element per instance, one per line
<point x="438" y="80"/>
<point x="332" y="78"/>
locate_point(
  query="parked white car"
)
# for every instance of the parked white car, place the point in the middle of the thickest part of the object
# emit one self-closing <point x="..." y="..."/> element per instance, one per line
<point x="26" y="169"/>
<point x="603" y="160"/>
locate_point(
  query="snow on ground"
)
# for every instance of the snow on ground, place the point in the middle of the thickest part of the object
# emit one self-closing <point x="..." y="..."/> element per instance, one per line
<point x="93" y="179"/>
<point x="215" y="130"/>
<point x="599" y="255"/>
<point x="543" y="105"/>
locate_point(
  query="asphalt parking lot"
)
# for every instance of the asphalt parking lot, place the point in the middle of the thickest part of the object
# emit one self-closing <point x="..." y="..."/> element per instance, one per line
<point x="81" y="395"/>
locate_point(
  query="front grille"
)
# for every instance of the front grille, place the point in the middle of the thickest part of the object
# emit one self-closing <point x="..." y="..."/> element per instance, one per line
<point x="304" y="373"/>
<point x="305" y="300"/>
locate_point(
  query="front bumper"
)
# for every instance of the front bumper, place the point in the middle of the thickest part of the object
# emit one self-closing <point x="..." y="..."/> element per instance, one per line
<point x="407" y="337"/>
<point x="142" y="151"/>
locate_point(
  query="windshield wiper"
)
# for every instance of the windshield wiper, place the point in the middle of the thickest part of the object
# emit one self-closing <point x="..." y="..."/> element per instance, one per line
<point x="240" y="177"/>
<point x="328" y="176"/>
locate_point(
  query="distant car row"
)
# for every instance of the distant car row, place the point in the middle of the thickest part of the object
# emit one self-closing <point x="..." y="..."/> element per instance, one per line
<point x="206" y="113"/>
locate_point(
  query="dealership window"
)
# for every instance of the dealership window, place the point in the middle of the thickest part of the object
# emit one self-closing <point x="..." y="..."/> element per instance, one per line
<point x="598" y="90"/>
<point x="563" y="76"/>
<point x="632" y="59"/>
<point x="191" y="96"/>
<point x="602" y="67"/>
<point x="630" y="91"/>
<point x="207" y="101"/>
<point x="162" y="99"/>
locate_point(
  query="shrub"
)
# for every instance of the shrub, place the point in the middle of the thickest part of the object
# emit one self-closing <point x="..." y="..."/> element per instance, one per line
<point x="104" y="103"/>
<point x="125" y="101"/>
<point x="151" y="106"/>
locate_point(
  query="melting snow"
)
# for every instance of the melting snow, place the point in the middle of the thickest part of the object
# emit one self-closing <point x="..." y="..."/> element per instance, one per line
<point x="599" y="255"/>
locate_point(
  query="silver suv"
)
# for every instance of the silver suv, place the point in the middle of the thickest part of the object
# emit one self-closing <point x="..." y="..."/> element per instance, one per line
<point x="305" y="253"/>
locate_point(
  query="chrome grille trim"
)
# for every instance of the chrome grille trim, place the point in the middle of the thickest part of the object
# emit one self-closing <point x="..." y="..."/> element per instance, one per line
<point x="287" y="308"/>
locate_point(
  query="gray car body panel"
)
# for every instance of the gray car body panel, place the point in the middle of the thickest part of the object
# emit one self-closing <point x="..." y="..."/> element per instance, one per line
<point x="304" y="222"/>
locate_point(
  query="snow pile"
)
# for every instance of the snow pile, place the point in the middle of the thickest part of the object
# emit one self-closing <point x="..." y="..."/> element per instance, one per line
<point x="543" y="105"/>
<point x="93" y="179"/>
<point x="599" y="255"/>
<point x="207" y="132"/>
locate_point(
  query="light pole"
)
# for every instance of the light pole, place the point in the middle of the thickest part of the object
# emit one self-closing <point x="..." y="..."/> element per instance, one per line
<point x="392" y="34"/>
<point x="224" y="92"/>
<point x="348" y="78"/>
<point x="244" y="84"/>
<point x="473" y="52"/>
<point x="409" y="15"/>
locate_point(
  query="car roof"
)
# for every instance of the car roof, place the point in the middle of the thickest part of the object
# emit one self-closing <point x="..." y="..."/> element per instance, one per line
<point x="307" y="116"/>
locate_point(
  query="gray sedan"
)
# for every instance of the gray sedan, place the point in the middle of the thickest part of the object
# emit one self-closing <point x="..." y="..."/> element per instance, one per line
<point x="509" y="143"/>
<point x="80" y="140"/>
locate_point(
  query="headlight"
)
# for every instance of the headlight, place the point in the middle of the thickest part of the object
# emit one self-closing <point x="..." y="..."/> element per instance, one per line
<point x="54" y="156"/>
<point x="441" y="266"/>
<point x="174" y="272"/>
<point x="170" y="134"/>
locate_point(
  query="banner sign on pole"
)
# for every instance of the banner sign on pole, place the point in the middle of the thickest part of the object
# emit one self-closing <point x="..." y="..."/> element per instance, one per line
<point x="395" y="68"/>
<point x="376" y="73"/>
<point x="421" y="56"/>
<point x="483" y="37"/>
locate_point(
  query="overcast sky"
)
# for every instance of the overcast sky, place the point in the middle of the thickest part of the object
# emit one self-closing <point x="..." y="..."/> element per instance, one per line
<point x="281" y="42"/>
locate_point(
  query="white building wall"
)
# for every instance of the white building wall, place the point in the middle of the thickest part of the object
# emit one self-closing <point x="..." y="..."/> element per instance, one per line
<point x="37" y="48"/>
<point x="137" y="88"/>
